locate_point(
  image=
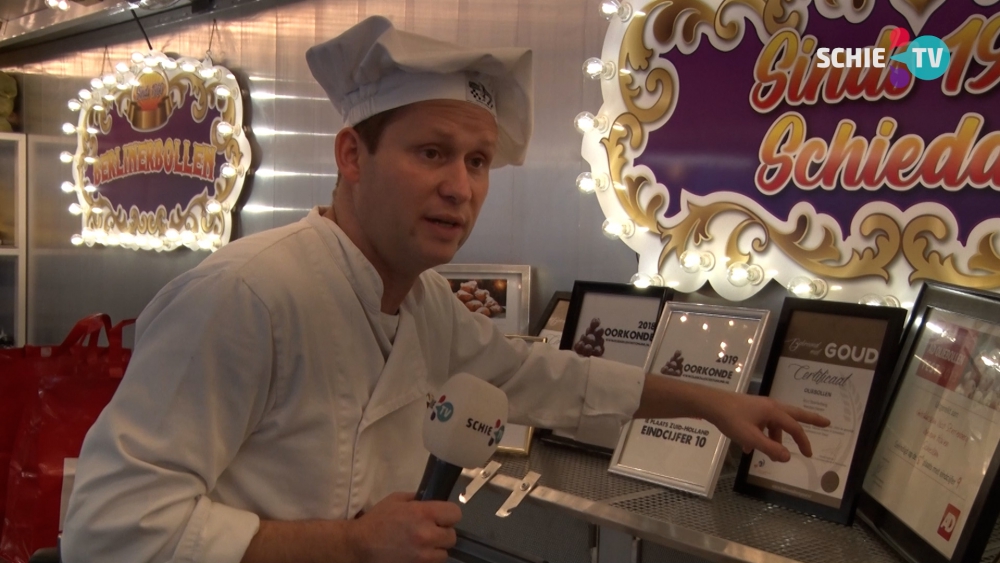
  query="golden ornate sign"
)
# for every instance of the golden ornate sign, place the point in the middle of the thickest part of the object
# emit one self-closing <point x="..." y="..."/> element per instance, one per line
<point x="880" y="197"/>
<point x="161" y="156"/>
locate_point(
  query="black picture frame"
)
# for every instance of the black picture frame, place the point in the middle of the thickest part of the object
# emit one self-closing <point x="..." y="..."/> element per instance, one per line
<point x="822" y="505"/>
<point x="971" y="543"/>
<point x="581" y="289"/>
<point x="542" y="321"/>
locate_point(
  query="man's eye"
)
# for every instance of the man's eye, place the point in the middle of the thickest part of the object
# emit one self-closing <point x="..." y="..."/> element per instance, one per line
<point x="431" y="153"/>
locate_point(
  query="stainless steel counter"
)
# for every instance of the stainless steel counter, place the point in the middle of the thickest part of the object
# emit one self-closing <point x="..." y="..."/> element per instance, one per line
<point x="727" y="528"/>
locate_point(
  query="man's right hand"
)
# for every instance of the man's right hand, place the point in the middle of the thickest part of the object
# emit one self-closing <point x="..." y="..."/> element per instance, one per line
<point x="400" y="529"/>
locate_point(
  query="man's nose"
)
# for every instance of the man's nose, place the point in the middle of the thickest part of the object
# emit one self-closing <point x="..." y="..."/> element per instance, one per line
<point x="457" y="183"/>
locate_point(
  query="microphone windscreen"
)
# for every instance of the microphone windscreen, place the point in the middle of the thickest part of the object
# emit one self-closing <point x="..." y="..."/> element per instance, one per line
<point x="466" y="421"/>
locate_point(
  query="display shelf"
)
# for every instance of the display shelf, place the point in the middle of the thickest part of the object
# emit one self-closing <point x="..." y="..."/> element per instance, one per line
<point x="728" y="528"/>
<point x="13" y="235"/>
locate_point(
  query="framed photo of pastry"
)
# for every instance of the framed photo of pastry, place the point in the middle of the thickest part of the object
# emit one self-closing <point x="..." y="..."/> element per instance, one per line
<point x="702" y="344"/>
<point x="941" y="433"/>
<point x="498" y="291"/>
<point x="612" y="321"/>
<point x="835" y="359"/>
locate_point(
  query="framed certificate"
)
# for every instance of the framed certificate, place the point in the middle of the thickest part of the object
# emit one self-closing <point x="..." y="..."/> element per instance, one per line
<point x="612" y="321"/>
<point x="835" y="359"/>
<point x="550" y="325"/>
<point x="704" y="344"/>
<point x="498" y="291"/>
<point x="931" y="489"/>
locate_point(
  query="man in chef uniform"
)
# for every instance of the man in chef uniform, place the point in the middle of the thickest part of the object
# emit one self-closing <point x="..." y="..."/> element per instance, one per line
<point x="273" y="407"/>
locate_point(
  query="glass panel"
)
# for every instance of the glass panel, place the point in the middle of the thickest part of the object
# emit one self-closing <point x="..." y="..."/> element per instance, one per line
<point x="8" y="191"/>
<point x="8" y="301"/>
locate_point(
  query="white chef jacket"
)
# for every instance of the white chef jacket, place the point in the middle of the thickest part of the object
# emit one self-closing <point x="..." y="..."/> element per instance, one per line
<point x="248" y="397"/>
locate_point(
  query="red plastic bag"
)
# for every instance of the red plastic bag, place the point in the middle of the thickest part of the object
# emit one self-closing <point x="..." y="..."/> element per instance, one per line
<point x="20" y="369"/>
<point x="70" y="386"/>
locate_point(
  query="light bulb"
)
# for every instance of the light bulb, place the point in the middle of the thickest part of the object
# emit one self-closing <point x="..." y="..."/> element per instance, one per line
<point x="188" y="66"/>
<point x="612" y="8"/>
<point x="207" y="72"/>
<point x="76" y="240"/>
<point x="224" y="129"/>
<point x="96" y="83"/>
<point x="113" y="239"/>
<point x="69" y="128"/>
<point x="75" y="208"/>
<point x="97" y="210"/>
<point x="614" y="230"/>
<point x="126" y="238"/>
<point x="74" y="105"/>
<point x="148" y="70"/>
<point x="172" y="234"/>
<point x="693" y="261"/>
<point x="67" y="187"/>
<point x="155" y="242"/>
<point x="91" y="130"/>
<point x="586" y="122"/>
<point x="169" y="64"/>
<point x="51" y="3"/>
<point x="596" y="69"/>
<point x="84" y="94"/>
<point x="205" y="244"/>
<point x="150" y="60"/>
<point x="63" y="5"/>
<point x="187" y="237"/>
<point x="89" y="188"/>
<point x="642" y="280"/>
<point x="804" y="287"/>
<point x="109" y="97"/>
<point x="222" y="91"/>
<point x="97" y="107"/>
<point x="228" y="170"/>
<point x="66" y="157"/>
<point x="138" y="57"/>
<point x="588" y="182"/>
<point x="213" y="206"/>
<point x="122" y="67"/>
<point x="741" y="274"/>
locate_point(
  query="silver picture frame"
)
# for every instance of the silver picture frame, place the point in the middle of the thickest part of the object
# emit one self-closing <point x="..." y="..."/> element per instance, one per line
<point x="722" y="345"/>
<point x="516" y="288"/>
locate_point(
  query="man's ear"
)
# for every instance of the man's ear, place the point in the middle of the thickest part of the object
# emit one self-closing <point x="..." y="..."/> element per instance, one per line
<point x="347" y="149"/>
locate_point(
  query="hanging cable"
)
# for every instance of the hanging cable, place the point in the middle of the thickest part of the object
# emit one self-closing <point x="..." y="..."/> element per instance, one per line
<point x="142" y="29"/>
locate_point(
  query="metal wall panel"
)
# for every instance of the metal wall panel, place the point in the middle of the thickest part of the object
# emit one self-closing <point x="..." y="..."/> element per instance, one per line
<point x="533" y="214"/>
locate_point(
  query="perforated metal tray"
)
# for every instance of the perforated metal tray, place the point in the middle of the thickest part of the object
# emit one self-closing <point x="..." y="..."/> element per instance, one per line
<point x="729" y="527"/>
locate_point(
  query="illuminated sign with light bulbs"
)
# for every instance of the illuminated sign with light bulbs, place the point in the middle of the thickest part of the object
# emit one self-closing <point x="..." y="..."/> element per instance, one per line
<point x="161" y="155"/>
<point x="725" y="152"/>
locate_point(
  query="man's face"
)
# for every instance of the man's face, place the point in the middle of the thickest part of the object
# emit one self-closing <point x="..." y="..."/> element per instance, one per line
<point x="419" y="194"/>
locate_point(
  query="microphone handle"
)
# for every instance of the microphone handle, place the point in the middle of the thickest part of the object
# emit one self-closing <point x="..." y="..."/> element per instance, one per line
<point x="439" y="479"/>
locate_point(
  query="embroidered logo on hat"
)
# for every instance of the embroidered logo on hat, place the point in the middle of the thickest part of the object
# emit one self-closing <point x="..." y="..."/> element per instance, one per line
<point x="479" y="94"/>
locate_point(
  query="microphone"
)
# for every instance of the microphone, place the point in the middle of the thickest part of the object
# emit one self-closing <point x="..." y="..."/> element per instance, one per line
<point x="462" y="428"/>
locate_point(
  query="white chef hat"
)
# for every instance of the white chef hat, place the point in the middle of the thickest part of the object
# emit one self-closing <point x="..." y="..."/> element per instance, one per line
<point x="373" y="67"/>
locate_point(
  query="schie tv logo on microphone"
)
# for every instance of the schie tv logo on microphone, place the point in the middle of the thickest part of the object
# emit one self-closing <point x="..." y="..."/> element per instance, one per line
<point x="926" y="57"/>
<point x="442" y="409"/>
<point x="495" y="432"/>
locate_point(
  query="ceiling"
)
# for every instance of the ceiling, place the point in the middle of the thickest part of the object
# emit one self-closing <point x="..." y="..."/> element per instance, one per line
<point x="28" y="22"/>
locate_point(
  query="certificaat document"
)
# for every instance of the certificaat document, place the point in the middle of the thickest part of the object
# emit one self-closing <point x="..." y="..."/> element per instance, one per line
<point x="827" y="366"/>
<point x="942" y="431"/>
